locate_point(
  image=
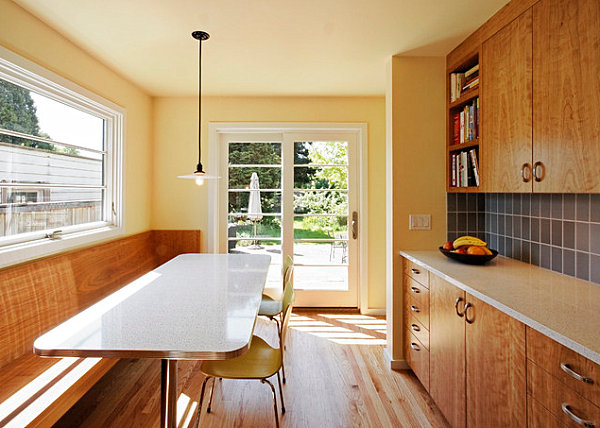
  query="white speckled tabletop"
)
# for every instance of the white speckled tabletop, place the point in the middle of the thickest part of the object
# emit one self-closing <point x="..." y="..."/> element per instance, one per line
<point x="563" y="308"/>
<point x="196" y="306"/>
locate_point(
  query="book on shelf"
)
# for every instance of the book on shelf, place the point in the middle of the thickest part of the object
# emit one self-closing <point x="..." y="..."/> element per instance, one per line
<point x="464" y="169"/>
<point x="461" y="82"/>
<point x="466" y="123"/>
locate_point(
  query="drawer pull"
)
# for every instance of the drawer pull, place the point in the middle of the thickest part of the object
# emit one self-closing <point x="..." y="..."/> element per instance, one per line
<point x="415" y="271"/>
<point x="460" y="314"/>
<point x="415" y="327"/>
<point x="416" y="348"/>
<point x="415" y="290"/>
<point x="583" y="422"/>
<point x="568" y="370"/>
<point x="414" y="308"/>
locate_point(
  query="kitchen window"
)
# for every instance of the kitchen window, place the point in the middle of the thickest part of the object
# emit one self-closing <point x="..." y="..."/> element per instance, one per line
<point x="60" y="162"/>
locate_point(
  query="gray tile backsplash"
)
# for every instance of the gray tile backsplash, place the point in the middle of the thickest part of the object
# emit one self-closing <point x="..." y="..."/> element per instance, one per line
<point x="560" y="232"/>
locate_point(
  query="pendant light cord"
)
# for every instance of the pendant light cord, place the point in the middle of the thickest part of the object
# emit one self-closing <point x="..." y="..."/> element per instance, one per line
<point x="200" y="36"/>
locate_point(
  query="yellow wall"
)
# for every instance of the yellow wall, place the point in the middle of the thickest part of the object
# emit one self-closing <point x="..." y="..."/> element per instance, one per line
<point x="27" y="36"/>
<point x="179" y="204"/>
<point x="416" y="147"/>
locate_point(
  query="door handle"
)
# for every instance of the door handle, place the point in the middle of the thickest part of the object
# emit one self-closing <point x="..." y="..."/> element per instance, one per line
<point x="354" y="225"/>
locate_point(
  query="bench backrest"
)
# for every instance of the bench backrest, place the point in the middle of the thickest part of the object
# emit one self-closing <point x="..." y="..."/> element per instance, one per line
<point x="37" y="295"/>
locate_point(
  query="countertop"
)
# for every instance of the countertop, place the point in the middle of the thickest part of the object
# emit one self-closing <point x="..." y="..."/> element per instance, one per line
<point x="561" y="307"/>
<point x="196" y="306"/>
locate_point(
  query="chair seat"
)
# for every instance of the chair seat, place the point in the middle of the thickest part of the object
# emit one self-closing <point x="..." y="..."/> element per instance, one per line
<point x="269" y="306"/>
<point x="260" y="362"/>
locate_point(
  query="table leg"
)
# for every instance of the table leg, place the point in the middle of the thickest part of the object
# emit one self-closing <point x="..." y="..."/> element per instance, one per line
<point x="168" y="394"/>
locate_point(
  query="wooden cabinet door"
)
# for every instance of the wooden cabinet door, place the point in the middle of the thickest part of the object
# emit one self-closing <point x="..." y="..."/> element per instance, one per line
<point x="496" y="368"/>
<point x="447" y="350"/>
<point x="506" y="107"/>
<point x="566" y="95"/>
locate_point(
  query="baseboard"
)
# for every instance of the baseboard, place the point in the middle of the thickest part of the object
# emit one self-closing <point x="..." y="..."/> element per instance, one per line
<point x="399" y="365"/>
<point x="374" y="312"/>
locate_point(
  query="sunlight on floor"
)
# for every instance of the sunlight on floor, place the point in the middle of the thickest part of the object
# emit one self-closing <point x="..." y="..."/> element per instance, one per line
<point x="186" y="408"/>
<point x="350" y="335"/>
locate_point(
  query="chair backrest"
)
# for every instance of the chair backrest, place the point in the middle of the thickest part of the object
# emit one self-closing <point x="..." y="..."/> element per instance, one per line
<point x="287" y="304"/>
<point x="288" y="270"/>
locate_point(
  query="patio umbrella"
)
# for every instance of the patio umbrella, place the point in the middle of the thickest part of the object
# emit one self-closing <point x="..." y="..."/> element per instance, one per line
<point x="254" y="206"/>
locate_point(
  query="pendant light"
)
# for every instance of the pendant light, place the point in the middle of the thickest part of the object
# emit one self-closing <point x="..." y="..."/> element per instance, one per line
<point x="199" y="175"/>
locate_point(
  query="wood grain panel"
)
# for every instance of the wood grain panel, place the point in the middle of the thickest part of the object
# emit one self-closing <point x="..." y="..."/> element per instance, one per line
<point x="539" y="417"/>
<point x="34" y="297"/>
<point x="499" y="20"/>
<point x="447" y="351"/>
<point x="566" y="93"/>
<point x="506" y="107"/>
<point x="417" y="357"/>
<point x="496" y="368"/>
<point x="549" y="355"/>
<point x="551" y="393"/>
<point x="171" y="243"/>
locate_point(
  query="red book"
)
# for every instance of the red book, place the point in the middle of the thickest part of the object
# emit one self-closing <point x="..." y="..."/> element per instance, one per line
<point x="456" y="128"/>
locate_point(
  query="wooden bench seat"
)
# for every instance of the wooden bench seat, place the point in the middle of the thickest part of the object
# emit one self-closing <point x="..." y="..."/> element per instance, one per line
<point x="38" y="295"/>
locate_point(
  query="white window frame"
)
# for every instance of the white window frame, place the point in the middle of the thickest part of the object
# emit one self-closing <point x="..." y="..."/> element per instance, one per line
<point x="32" y="245"/>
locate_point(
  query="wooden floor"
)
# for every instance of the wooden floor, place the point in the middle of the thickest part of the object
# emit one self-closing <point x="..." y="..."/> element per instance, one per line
<point x="336" y="377"/>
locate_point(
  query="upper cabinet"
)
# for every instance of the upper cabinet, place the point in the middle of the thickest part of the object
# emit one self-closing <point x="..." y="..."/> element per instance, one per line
<point x="566" y="95"/>
<point x="540" y="98"/>
<point x="506" y="108"/>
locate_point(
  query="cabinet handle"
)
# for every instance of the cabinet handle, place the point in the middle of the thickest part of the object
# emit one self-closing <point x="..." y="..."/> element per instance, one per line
<point x="415" y="290"/>
<point x="537" y="176"/>
<point x="415" y="327"/>
<point x="414" y="308"/>
<point x="415" y="271"/>
<point x="568" y="370"/>
<point x="416" y="347"/>
<point x="458" y="300"/>
<point x="583" y="422"/>
<point x="467" y="306"/>
<point x="526" y="172"/>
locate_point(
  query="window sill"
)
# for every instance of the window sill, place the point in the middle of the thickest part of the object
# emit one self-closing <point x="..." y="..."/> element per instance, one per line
<point x="27" y="251"/>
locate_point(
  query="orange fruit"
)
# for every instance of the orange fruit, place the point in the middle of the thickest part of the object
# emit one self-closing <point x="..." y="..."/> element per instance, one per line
<point x="476" y="251"/>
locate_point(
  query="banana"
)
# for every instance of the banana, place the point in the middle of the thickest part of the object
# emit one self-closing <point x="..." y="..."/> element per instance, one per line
<point x="487" y="251"/>
<point x="468" y="241"/>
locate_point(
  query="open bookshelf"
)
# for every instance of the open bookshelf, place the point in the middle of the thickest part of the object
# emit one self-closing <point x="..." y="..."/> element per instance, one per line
<point x="463" y="130"/>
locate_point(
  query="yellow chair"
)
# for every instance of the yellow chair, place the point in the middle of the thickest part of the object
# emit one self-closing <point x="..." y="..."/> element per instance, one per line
<point x="273" y="308"/>
<point x="260" y="362"/>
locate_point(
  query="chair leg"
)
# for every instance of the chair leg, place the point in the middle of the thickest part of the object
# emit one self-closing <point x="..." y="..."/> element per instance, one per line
<point x="281" y="393"/>
<point x="274" y="400"/>
<point x="212" y="391"/>
<point x="200" y="402"/>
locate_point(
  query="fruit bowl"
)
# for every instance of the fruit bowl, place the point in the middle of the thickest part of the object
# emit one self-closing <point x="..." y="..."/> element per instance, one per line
<point x="470" y="259"/>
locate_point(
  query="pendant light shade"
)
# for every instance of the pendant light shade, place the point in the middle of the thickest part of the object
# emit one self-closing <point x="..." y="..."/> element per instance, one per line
<point x="199" y="175"/>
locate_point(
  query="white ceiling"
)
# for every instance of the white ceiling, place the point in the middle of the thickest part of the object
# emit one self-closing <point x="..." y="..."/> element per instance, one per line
<point x="262" y="47"/>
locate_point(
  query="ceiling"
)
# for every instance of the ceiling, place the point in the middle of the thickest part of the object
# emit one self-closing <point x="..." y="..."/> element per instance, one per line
<point x="262" y="47"/>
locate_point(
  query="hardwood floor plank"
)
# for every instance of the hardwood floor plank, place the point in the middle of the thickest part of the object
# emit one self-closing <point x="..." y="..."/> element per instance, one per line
<point x="336" y="371"/>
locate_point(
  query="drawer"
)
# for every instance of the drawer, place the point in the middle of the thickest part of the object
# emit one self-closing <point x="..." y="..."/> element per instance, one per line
<point x="417" y="357"/>
<point x="416" y="309"/>
<point x="539" y="417"/>
<point x="565" y="365"/>
<point x="416" y="272"/>
<point x="560" y="400"/>
<point x="418" y="330"/>
<point x="417" y="290"/>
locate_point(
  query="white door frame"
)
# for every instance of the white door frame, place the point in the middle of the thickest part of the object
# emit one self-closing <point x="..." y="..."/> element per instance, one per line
<point x="214" y="195"/>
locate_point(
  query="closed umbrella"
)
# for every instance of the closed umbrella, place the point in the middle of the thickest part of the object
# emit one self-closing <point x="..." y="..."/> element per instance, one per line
<point x="254" y="206"/>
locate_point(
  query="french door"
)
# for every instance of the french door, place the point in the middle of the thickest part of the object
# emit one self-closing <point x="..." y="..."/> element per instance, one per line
<point x="307" y="187"/>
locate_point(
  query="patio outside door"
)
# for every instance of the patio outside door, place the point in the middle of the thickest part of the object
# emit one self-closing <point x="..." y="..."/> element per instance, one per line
<point x="309" y="209"/>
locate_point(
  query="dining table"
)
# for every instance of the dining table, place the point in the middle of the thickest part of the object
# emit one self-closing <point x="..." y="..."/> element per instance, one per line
<point x="193" y="307"/>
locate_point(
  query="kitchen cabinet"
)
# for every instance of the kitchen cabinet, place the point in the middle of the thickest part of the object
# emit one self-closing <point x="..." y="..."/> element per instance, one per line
<point x="496" y="367"/>
<point x="506" y="108"/>
<point x="447" y="350"/>
<point x="566" y="95"/>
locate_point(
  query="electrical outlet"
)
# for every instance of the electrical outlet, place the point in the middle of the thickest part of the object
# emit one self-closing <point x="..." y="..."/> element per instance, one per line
<point x="419" y="222"/>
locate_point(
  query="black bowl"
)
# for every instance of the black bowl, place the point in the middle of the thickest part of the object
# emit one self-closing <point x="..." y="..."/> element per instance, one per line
<point x="470" y="259"/>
